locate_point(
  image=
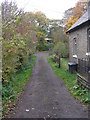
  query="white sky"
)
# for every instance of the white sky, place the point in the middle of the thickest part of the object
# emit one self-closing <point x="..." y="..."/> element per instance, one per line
<point x="53" y="9"/>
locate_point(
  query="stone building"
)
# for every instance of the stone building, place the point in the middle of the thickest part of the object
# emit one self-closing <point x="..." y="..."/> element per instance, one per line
<point x="79" y="38"/>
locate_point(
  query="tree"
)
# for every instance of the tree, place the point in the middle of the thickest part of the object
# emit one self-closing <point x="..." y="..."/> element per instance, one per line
<point x="57" y="33"/>
<point x="60" y="50"/>
<point x="71" y="21"/>
<point x="41" y="29"/>
<point x="80" y="8"/>
<point x="19" y="38"/>
<point x="77" y="12"/>
<point x="41" y="41"/>
<point x="59" y="39"/>
<point x="42" y="22"/>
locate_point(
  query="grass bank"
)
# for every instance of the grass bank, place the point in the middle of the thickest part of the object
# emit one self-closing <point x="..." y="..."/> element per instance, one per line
<point x="11" y="92"/>
<point x="69" y="79"/>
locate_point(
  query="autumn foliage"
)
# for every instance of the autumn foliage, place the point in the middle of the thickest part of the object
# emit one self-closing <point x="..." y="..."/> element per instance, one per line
<point x="20" y="34"/>
<point x="77" y="12"/>
<point x="18" y="39"/>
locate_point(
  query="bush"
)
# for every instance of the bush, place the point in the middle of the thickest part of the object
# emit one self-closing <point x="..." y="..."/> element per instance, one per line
<point x="12" y="62"/>
<point x="13" y="88"/>
<point x="45" y="47"/>
<point x="60" y="49"/>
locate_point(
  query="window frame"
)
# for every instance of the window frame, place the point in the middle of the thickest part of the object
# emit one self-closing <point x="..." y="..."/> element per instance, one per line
<point x="75" y="46"/>
<point x="88" y="33"/>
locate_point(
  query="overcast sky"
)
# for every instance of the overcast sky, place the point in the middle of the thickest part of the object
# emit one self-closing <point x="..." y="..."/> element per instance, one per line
<point x="53" y="9"/>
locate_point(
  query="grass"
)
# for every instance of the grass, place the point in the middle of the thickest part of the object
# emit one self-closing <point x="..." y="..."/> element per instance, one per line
<point x="12" y="91"/>
<point x="69" y="79"/>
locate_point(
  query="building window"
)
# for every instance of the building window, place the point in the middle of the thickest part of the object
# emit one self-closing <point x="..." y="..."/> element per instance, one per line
<point x="74" y="46"/>
<point x="89" y="39"/>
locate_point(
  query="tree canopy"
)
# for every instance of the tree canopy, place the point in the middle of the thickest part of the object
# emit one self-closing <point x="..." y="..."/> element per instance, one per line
<point x="77" y="12"/>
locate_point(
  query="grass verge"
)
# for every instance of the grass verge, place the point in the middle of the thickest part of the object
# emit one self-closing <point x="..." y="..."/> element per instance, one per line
<point x="69" y="79"/>
<point x="11" y="92"/>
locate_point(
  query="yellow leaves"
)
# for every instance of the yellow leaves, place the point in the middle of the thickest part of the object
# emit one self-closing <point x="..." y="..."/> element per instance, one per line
<point x="71" y="21"/>
<point x="77" y="12"/>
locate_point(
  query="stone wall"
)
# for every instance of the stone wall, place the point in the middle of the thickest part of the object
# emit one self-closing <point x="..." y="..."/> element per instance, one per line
<point x="82" y="43"/>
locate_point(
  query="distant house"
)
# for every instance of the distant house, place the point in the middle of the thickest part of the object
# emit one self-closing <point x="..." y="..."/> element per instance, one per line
<point x="79" y="38"/>
<point x="49" y="40"/>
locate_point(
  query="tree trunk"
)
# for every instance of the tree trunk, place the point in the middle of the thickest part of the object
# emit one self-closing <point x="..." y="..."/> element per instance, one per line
<point x="59" y="62"/>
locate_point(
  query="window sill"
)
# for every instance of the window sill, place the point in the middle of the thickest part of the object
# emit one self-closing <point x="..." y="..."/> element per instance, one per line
<point x="74" y="56"/>
<point x="88" y="54"/>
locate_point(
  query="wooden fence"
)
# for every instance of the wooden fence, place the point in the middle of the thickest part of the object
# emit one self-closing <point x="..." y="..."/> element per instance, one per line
<point x="84" y="73"/>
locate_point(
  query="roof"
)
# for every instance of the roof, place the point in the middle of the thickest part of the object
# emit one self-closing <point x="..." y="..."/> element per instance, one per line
<point x="85" y="18"/>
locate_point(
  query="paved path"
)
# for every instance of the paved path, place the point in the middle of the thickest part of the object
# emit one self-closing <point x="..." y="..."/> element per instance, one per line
<point x="45" y="96"/>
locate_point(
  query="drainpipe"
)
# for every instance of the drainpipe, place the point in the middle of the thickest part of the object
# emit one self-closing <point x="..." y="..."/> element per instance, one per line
<point x="89" y="54"/>
<point x="89" y="9"/>
<point x="89" y="89"/>
<point x="89" y="63"/>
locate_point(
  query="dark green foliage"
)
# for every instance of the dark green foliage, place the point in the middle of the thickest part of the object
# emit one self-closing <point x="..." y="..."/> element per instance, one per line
<point x="60" y="49"/>
<point x="12" y="89"/>
<point x="45" y="47"/>
<point x="59" y="38"/>
<point x="42" y="47"/>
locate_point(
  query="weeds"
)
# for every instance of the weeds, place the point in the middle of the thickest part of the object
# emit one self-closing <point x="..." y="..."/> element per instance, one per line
<point x="69" y="79"/>
<point x="11" y="91"/>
